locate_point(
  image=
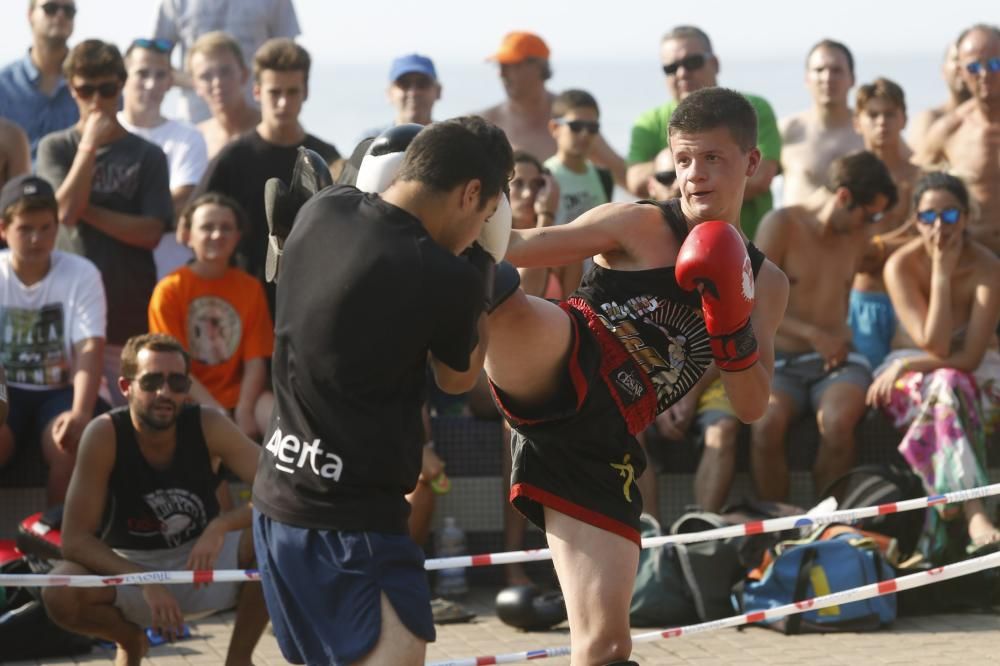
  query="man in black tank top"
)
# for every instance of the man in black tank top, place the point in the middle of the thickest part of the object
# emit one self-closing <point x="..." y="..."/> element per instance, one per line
<point x="676" y="290"/>
<point x="142" y="498"/>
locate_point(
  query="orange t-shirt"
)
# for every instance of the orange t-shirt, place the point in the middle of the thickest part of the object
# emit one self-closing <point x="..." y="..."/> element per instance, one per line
<point x="223" y="323"/>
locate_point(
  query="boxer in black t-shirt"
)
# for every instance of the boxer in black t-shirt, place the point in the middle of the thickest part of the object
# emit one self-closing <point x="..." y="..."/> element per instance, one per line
<point x="371" y="290"/>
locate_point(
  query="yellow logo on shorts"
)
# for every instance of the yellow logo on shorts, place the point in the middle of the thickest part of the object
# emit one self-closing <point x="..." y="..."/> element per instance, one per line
<point x="626" y="472"/>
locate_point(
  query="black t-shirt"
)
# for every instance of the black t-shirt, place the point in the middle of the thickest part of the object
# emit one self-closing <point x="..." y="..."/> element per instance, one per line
<point x="364" y="295"/>
<point x="240" y="171"/>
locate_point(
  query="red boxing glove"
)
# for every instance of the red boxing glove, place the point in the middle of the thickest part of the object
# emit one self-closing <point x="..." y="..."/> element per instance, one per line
<point x="714" y="260"/>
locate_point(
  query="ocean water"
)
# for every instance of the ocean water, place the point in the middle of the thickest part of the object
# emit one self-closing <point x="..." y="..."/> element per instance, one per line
<point x="348" y="99"/>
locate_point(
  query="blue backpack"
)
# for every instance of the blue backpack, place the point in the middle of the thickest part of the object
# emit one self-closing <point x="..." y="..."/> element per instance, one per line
<point x="817" y="566"/>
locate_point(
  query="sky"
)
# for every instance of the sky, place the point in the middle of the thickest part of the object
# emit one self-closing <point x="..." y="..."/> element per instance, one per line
<point x="372" y="31"/>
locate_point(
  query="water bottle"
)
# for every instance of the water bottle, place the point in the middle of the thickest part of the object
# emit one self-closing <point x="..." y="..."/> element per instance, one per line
<point x="450" y="543"/>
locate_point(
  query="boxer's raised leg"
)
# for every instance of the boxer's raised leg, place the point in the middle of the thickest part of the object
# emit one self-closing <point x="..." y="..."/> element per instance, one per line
<point x="529" y="343"/>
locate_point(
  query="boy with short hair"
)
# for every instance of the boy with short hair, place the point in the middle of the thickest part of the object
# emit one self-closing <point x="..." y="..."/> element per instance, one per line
<point x="52" y="318"/>
<point x="281" y="85"/>
<point x="575" y="125"/>
<point x="113" y="190"/>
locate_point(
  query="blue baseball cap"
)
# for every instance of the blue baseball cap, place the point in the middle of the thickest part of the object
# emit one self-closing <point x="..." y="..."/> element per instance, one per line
<point x="408" y="64"/>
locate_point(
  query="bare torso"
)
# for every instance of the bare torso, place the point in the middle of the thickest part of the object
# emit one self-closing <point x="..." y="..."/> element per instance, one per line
<point x="217" y="136"/>
<point x="807" y="149"/>
<point x="905" y="176"/>
<point x="974" y="266"/>
<point x="972" y="149"/>
<point x="820" y="269"/>
<point x="530" y="134"/>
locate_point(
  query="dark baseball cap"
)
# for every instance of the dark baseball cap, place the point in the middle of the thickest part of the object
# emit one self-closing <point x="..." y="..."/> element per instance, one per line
<point x="25" y="187"/>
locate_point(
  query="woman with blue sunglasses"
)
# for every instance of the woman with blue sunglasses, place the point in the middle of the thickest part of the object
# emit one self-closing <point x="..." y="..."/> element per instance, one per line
<point x="942" y="383"/>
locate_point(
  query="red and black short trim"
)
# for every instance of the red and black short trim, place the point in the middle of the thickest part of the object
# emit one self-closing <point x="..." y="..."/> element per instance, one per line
<point x="577" y="454"/>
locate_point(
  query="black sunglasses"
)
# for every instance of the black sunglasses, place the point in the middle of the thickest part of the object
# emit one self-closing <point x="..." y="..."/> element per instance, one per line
<point x="691" y="62"/>
<point x="665" y="178"/>
<point x="154" y="381"/>
<point x="107" y="90"/>
<point x="53" y="8"/>
<point x="577" y="126"/>
<point x="158" y="45"/>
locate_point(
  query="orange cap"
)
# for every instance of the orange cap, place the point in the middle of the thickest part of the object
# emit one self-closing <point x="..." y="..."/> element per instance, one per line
<point x="517" y="46"/>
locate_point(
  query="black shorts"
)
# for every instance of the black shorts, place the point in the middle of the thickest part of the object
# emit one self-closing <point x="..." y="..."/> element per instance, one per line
<point x="578" y="453"/>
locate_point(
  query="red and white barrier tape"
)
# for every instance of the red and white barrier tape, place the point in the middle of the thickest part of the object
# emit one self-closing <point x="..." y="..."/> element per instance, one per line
<point x="907" y="582"/>
<point x="462" y="561"/>
<point x="143" y="578"/>
<point x="746" y="529"/>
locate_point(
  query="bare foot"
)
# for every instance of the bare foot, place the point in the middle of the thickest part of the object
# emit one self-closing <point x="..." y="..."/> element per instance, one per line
<point x="981" y="530"/>
<point x="132" y="655"/>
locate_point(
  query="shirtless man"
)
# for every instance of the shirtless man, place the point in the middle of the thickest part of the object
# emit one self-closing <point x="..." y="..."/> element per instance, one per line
<point x="810" y="140"/>
<point x="15" y="152"/>
<point x="524" y="116"/>
<point x="951" y="72"/>
<point x="968" y="138"/>
<point x="819" y="245"/>
<point x="880" y="115"/>
<point x="220" y="74"/>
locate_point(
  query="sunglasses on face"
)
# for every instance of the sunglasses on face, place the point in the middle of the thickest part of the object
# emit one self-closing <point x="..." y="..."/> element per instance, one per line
<point x="577" y="126"/>
<point x="691" y="62"/>
<point x="53" y="8"/>
<point x="107" y="90"/>
<point x="154" y="381"/>
<point x="158" y="45"/>
<point x="947" y="215"/>
<point x="992" y="66"/>
<point x="533" y="184"/>
<point x="665" y="178"/>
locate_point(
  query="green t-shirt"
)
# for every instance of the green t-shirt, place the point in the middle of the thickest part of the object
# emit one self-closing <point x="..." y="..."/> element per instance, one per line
<point x="649" y="136"/>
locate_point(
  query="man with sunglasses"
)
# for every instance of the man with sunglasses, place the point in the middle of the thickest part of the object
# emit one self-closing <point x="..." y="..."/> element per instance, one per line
<point x="819" y="245"/>
<point x="33" y="92"/>
<point x="690" y="65"/>
<point x="815" y="137"/>
<point x="968" y="138"/>
<point x="145" y="481"/>
<point x="662" y="184"/>
<point x="113" y="192"/>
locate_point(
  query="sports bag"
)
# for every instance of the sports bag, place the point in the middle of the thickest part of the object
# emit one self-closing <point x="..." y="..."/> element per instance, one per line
<point x="830" y="560"/>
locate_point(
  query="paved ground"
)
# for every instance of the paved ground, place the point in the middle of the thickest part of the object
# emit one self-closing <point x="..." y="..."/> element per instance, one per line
<point x="943" y="639"/>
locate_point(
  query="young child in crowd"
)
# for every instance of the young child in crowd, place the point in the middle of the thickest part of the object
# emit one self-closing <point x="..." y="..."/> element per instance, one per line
<point x="575" y="125"/>
<point x="219" y="313"/>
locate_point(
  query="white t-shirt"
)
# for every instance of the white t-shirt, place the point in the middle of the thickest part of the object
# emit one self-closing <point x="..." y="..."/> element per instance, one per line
<point x="187" y="158"/>
<point x="40" y="324"/>
<point x="187" y="154"/>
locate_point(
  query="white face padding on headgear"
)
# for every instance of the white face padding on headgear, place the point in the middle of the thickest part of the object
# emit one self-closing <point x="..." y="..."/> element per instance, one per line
<point x="384" y="157"/>
<point x="496" y="231"/>
<point x="378" y="171"/>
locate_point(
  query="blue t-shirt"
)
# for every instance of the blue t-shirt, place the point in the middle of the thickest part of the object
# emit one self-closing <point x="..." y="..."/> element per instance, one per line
<point x="35" y="112"/>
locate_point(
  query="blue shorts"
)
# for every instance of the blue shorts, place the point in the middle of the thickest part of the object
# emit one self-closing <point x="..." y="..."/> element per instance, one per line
<point x="323" y="589"/>
<point x="873" y="323"/>
<point x="30" y="411"/>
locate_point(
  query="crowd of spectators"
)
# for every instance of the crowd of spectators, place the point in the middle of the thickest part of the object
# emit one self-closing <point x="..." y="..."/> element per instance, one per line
<point x="134" y="222"/>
